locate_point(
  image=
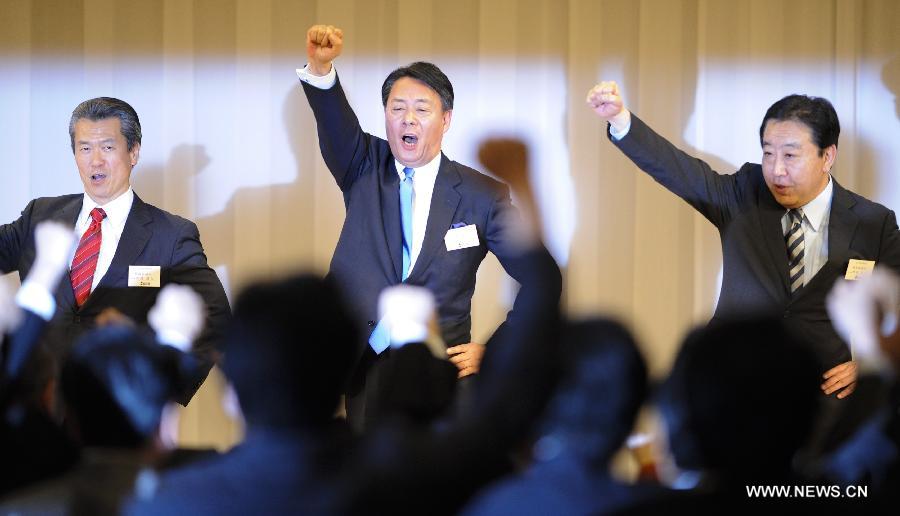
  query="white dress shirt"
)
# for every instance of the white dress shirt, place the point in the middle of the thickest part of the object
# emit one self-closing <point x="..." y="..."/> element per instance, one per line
<point x="36" y="299"/>
<point x="111" y="228"/>
<point x="323" y="82"/>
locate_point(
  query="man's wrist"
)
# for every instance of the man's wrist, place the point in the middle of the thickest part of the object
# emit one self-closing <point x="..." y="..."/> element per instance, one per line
<point x="317" y="69"/>
<point x="620" y="124"/>
<point x="322" y="82"/>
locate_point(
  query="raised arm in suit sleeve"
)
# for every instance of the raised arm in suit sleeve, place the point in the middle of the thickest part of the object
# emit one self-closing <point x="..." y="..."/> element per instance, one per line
<point x="12" y="237"/>
<point x="189" y="267"/>
<point x="714" y="195"/>
<point x="499" y="242"/>
<point x="345" y="146"/>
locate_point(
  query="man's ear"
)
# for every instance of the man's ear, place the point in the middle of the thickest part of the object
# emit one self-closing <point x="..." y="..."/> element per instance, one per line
<point x="830" y="154"/>
<point x="135" y="153"/>
<point x="447" y="116"/>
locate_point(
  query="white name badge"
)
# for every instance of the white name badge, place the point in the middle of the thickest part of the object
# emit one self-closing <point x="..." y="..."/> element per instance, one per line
<point x="143" y="276"/>
<point x="859" y="268"/>
<point x="461" y="238"/>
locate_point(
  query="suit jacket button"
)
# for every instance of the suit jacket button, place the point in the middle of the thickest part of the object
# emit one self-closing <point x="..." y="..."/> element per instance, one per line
<point x="787" y="313"/>
<point x="76" y="319"/>
<point x="371" y="323"/>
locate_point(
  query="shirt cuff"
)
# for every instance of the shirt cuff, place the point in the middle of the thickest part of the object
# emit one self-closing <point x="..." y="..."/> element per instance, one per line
<point x="36" y="299"/>
<point x="618" y="135"/>
<point x="175" y="339"/>
<point x="323" y="82"/>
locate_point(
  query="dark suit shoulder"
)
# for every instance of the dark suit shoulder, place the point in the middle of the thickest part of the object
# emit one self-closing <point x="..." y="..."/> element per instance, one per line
<point x="479" y="182"/>
<point x="750" y="173"/>
<point x="750" y="185"/>
<point x="862" y="205"/>
<point x="53" y="205"/>
<point x="161" y="216"/>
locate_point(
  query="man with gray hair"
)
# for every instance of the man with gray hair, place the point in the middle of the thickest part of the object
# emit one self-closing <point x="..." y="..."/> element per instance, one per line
<point x="127" y="249"/>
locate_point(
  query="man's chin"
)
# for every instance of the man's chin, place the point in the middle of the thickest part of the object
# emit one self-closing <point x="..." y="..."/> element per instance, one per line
<point x="103" y="196"/>
<point x="410" y="161"/>
<point x="787" y="201"/>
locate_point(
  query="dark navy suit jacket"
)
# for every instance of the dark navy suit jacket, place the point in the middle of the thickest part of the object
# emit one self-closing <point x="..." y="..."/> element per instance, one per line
<point x="368" y="254"/>
<point x="274" y="471"/>
<point x="151" y="236"/>
<point x="754" y="255"/>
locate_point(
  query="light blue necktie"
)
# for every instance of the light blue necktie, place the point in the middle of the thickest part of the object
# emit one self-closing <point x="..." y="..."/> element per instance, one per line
<point x="406" y="191"/>
<point x="380" y="338"/>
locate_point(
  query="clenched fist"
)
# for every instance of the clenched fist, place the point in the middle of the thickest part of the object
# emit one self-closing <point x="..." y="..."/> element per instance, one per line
<point x="606" y="101"/>
<point x="323" y="45"/>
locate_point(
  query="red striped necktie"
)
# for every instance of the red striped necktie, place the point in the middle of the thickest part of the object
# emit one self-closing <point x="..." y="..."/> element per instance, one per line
<point x="85" y="262"/>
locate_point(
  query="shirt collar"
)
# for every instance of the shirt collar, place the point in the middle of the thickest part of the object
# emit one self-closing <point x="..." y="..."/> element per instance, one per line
<point x="116" y="210"/>
<point x="426" y="171"/>
<point x="816" y="209"/>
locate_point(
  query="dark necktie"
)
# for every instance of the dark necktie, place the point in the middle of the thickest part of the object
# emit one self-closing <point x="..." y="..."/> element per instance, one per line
<point x="85" y="261"/>
<point x="795" y="248"/>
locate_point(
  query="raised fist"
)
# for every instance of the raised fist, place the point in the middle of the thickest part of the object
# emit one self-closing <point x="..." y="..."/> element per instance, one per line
<point x="323" y="44"/>
<point x="606" y="101"/>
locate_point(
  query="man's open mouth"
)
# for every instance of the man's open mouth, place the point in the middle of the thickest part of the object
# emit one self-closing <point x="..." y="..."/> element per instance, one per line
<point x="98" y="176"/>
<point x="410" y="139"/>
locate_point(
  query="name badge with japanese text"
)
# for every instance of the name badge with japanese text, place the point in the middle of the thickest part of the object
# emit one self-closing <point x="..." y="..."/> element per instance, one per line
<point x="859" y="268"/>
<point x="461" y="238"/>
<point x="143" y="276"/>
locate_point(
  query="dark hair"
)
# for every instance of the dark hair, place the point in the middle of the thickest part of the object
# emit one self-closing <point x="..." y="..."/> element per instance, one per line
<point x="115" y="383"/>
<point x="429" y="74"/>
<point x="107" y="107"/>
<point x="289" y="351"/>
<point x="603" y="384"/>
<point x="715" y="397"/>
<point x="814" y="112"/>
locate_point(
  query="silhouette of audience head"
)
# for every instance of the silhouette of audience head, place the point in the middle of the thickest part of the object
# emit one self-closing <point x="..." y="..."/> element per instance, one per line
<point x="289" y="352"/>
<point x="416" y="385"/>
<point x="35" y="386"/>
<point x="603" y="384"/>
<point x="115" y="384"/>
<point x="741" y="399"/>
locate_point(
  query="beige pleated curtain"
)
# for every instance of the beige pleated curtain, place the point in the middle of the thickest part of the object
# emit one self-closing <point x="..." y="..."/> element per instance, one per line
<point x="229" y="140"/>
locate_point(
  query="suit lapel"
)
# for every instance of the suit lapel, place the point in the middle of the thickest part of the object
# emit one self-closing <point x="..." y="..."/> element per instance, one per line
<point x="772" y="234"/>
<point x="444" y="201"/>
<point x="69" y="215"/>
<point x="842" y="224"/>
<point x="390" y="220"/>
<point x="135" y="236"/>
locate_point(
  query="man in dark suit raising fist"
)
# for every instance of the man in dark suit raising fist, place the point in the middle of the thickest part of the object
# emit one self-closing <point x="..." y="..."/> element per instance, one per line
<point x="413" y="215"/>
<point x="788" y="229"/>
